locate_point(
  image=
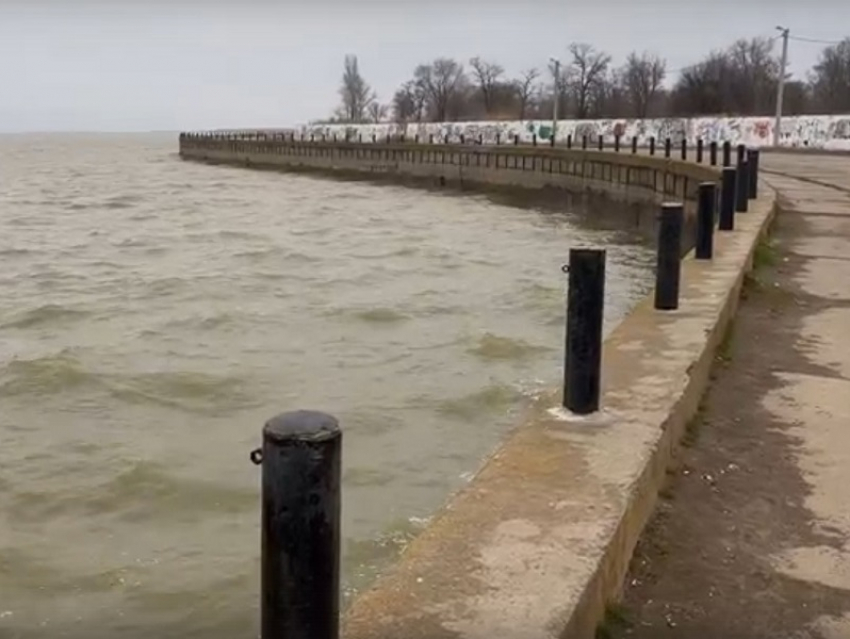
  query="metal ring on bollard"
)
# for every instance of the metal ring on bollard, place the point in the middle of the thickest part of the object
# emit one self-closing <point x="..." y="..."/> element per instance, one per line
<point x="257" y="456"/>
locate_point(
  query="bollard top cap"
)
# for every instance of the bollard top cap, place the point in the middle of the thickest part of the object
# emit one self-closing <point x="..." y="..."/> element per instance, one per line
<point x="306" y="425"/>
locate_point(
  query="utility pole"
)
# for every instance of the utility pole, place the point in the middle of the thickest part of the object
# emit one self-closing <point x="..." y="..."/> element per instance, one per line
<point x="780" y="91"/>
<point x="557" y="97"/>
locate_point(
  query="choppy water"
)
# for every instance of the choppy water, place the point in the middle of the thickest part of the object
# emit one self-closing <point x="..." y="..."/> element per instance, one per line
<point x="154" y="313"/>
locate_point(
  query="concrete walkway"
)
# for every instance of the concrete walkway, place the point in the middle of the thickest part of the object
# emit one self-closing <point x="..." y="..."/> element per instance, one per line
<point x="752" y="537"/>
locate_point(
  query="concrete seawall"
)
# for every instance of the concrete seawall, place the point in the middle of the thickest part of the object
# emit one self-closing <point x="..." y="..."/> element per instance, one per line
<point x="621" y="175"/>
<point x="539" y="541"/>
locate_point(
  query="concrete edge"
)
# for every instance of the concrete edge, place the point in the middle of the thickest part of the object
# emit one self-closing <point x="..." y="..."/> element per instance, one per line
<point x="457" y="605"/>
<point x="606" y="585"/>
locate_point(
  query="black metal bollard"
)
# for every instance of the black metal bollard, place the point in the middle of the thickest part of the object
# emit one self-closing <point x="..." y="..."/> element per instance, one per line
<point x="727" y="153"/>
<point x="753" y="172"/>
<point x="601" y="143"/>
<point x="446" y="139"/>
<point x="669" y="262"/>
<point x="699" y="150"/>
<point x="742" y="153"/>
<point x="552" y="138"/>
<point x="516" y="140"/>
<point x="705" y="220"/>
<point x="430" y="138"/>
<point x="668" y="147"/>
<point x="712" y="153"/>
<point x="416" y="139"/>
<point x="652" y="146"/>
<point x="462" y="138"/>
<point x="616" y="144"/>
<point x="585" y="309"/>
<point x="570" y="141"/>
<point x="584" y="142"/>
<point x="301" y="459"/>
<point x="727" y="200"/>
<point x="534" y="139"/>
<point x="684" y="149"/>
<point x="480" y="139"/>
<point x="634" y="144"/>
<point x="498" y="139"/>
<point x="742" y="188"/>
<point x="374" y="138"/>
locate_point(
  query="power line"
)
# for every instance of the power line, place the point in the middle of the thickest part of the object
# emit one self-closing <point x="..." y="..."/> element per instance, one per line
<point x="814" y="40"/>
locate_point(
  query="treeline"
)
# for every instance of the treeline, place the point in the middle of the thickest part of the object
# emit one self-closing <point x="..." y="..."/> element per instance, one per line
<point x="739" y="80"/>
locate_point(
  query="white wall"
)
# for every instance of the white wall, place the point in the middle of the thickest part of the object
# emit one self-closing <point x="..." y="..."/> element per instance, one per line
<point x="817" y="131"/>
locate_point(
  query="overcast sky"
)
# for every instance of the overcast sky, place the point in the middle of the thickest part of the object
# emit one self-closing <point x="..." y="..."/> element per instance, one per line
<point x="133" y="65"/>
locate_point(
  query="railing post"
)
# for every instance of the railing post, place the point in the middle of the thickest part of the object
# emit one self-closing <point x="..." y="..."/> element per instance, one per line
<point x="652" y="146"/>
<point x="480" y="139"/>
<point x="753" y="172"/>
<point x="684" y="149"/>
<point x="727" y="200"/>
<point x="446" y="139"/>
<point x="669" y="261"/>
<point x="712" y="153"/>
<point x="699" y="150"/>
<point x="585" y="310"/>
<point x="431" y="138"/>
<point x="301" y="471"/>
<point x="498" y="139"/>
<point x="570" y="141"/>
<point x="601" y="142"/>
<point x="634" y="144"/>
<point x="534" y="139"/>
<point x="727" y="153"/>
<point x="552" y="138"/>
<point x="516" y="139"/>
<point x="583" y="142"/>
<point x="617" y="143"/>
<point x="742" y="187"/>
<point x="705" y="220"/>
<point x="668" y="147"/>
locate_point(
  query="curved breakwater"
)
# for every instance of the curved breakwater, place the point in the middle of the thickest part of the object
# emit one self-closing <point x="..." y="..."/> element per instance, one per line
<point x="154" y="313"/>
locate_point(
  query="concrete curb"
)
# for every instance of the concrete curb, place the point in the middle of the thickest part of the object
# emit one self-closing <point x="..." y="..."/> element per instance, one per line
<point x="540" y="541"/>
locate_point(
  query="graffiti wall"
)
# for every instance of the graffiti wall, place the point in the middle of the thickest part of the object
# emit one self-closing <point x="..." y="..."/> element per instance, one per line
<point x="816" y="131"/>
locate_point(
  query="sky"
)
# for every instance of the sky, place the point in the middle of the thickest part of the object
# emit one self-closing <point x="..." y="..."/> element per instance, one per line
<point x="169" y="65"/>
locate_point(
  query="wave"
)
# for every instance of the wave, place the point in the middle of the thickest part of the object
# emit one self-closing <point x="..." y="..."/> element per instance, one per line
<point x="491" y="399"/>
<point x="188" y="391"/>
<point x="44" y="375"/>
<point x="495" y="347"/>
<point x="122" y="202"/>
<point x="381" y="316"/>
<point x="43" y="315"/>
<point x="142" y="491"/>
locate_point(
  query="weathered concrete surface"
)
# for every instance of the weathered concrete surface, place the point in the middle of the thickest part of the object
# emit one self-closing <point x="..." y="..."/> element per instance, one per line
<point x="763" y="494"/>
<point x="541" y="539"/>
<point x="818" y="405"/>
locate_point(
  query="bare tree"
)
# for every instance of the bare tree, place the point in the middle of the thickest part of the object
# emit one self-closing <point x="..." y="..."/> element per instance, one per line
<point x="754" y="74"/>
<point x="409" y="102"/>
<point x="642" y="77"/>
<point x="440" y="80"/>
<point x="525" y="88"/>
<point x="487" y="76"/>
<point x="703" y="88"/>
<point x="356" y="94"/>
<point x="830" y="78"/>
<point x="377" y="112"/>
<point x="587" y="70"/>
